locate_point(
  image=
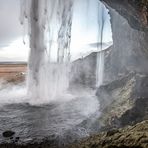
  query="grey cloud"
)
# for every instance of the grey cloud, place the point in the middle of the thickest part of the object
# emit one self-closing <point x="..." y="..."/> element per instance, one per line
<point x="10" y="27"/>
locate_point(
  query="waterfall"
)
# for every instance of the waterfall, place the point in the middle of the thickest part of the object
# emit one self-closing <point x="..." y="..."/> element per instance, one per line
<point x="49" y="23"/>
<point x="100" y="54"/>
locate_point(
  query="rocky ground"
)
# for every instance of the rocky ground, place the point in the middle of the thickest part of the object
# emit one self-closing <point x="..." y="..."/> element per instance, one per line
<point x="135" y="136"/>
<point x="124" y="101"/>
<point x="131" y="137"/>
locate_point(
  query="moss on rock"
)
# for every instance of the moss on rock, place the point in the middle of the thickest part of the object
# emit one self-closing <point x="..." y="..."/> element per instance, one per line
<point x="130" y="136"/>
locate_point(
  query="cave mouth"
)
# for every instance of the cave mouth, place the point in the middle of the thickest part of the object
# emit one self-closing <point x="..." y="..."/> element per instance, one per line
<point x="72" y="115"/>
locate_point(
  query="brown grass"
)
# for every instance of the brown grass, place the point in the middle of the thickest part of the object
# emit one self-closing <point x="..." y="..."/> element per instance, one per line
<point x="12" y="72"/>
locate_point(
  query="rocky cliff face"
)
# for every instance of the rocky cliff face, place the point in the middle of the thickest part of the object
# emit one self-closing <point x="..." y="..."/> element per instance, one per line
<point x="124" y="101"/>
<point x="83" y="71"/>
<point x="125" y="90"/>
<point x="134" y="11"/>
<point x="129" y="50"/>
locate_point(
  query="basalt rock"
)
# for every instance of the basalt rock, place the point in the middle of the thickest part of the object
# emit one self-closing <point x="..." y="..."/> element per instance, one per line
<point x="129" y="51"/>
<point x="134" y="11"/>
<point x="7" y="134"/>
<point x="124" y="101"/>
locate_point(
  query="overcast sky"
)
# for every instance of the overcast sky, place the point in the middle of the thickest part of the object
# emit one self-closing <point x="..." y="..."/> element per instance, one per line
<point x="10" y="27"/>
<point x="84" y="29"/>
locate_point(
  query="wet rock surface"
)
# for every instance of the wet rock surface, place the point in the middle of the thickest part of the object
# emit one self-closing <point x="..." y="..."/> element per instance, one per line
<point x="131" y="137"/>
<point x="124" y="101"/>
<point x="124" y="96"/>
<point x="129" y="51"/>
<point x="134" y="11"/>
<point x="135" y="136"/>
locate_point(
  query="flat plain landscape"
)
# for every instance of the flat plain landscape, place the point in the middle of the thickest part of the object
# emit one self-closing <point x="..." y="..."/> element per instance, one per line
<point x="13" y="72"/>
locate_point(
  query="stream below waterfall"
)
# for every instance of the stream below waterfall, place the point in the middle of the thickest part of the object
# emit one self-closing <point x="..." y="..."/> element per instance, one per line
<point x="58" y="119"/>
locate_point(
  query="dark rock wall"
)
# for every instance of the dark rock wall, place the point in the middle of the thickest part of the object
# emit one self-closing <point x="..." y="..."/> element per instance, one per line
<point x="134" y="11"/>
<point x="129" y="51"/>
<point x="124" y="101"/>
<point x="123" y="97"/>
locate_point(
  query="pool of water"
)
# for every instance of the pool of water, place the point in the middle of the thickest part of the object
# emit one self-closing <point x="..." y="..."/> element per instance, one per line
<point x="56" y="119"/>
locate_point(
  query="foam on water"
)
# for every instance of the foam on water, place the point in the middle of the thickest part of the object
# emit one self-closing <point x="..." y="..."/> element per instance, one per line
<point x="61" y="116"/>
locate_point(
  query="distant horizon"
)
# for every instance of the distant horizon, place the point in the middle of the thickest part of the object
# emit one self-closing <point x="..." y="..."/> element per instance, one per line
<point x="13" y="62"/>
<point x="84" y="31"/>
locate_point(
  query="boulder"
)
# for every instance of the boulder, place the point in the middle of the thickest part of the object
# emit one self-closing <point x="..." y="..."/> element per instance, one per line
<point x="8" y="134"/>
<point x="124" y="101"/>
